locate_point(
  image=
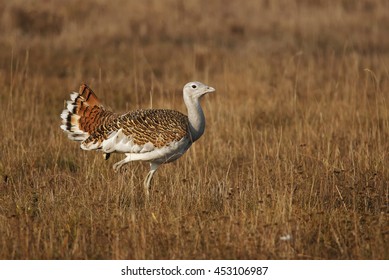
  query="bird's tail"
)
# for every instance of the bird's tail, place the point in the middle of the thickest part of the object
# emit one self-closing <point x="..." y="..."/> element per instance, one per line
<point x="83" y="114"/>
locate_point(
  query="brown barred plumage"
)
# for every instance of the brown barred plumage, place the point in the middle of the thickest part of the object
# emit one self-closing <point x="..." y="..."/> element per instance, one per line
<point x="84" y="114"/>
<point x="157" y="126"/>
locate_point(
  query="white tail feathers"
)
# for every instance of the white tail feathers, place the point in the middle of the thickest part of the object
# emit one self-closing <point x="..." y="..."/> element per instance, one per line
<point x="83" y="114"/>
<point x="70" y="120"/>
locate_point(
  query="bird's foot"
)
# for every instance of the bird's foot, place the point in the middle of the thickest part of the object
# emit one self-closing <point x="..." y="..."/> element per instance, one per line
<point x="147" y="193"/>
<point x="117" y="166"/>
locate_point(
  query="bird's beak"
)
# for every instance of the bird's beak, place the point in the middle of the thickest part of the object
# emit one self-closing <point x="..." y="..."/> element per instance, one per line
<point x="210" y="89"/>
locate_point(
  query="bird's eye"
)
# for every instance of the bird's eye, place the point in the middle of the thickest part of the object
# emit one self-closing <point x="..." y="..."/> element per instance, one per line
<point x="194" y="86"/>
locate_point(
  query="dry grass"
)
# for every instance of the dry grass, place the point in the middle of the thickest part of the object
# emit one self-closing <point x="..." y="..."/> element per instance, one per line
<point x="296" y="140"/>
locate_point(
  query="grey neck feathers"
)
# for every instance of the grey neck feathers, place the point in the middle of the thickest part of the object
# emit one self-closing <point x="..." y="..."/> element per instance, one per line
<point x="196" y="118"/>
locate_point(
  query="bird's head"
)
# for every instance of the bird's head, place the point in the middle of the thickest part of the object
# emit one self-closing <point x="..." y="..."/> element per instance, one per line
<point x="195" y="90"/>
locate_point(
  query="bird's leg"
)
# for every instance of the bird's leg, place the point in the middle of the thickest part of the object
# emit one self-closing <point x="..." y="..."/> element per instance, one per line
<point x="149" y="177"/>
<point x="119" y="164"/>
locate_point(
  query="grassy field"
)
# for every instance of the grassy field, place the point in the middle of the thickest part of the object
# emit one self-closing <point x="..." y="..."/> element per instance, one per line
<point x="294" y="160"/>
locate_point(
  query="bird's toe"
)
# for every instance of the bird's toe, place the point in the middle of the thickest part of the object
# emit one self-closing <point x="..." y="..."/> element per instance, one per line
<point x="116" y="167"/>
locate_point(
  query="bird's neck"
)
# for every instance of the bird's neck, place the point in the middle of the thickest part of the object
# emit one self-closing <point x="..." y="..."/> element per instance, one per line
<point x="196" y="117"/>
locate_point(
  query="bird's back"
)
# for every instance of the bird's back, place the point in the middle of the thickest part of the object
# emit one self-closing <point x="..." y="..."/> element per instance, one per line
<point x="157" y="127"/>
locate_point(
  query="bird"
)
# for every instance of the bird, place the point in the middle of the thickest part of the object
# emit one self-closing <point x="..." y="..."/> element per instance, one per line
<point x="156" y="136"/>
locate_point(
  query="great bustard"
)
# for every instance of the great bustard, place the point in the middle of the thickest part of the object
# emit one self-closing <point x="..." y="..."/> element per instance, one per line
<point x="154" y="135"/>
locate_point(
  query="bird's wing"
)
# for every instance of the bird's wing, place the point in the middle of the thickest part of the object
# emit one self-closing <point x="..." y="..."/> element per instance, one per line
<point x="139" y="131"/>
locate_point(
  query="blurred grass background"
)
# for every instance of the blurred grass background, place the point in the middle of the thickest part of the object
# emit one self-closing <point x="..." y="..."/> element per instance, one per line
<point x="296" y="143"/>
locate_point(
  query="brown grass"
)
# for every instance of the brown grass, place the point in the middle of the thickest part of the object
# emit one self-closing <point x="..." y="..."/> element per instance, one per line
<point x="296" y="143"/>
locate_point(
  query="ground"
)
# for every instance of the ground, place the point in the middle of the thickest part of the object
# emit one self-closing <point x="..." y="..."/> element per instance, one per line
<point x="294" y="160"/>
